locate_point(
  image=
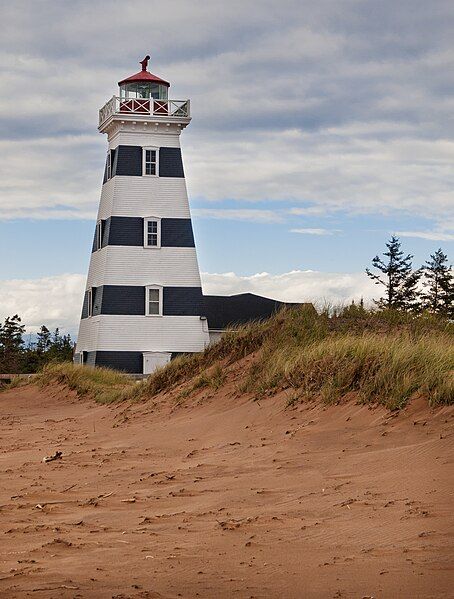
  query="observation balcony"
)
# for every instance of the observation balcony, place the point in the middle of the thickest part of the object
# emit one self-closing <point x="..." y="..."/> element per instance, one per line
<point x="155" y="109"/>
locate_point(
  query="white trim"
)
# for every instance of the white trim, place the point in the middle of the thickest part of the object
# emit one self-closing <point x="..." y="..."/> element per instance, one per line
<point x="90" y="302"/>
<point x="147" y="301"/>
<point x="109" y="165"/>
<point x="157" y="220"/>
<point x="144" y="163"/>
<point x="98" y="234"/>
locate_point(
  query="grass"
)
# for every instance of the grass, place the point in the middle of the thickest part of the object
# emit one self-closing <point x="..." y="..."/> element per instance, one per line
<point x="101" y="384"/>
<point x="382" y="357"/>
<point x="385" y="369"/>
<point x="15" y="382"/>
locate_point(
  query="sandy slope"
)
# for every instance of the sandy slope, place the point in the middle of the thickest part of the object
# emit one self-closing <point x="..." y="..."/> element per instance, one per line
<point x="229" y="498"/>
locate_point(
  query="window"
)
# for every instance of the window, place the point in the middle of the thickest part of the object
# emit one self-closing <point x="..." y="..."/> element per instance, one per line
<point x="98" y="243"/>
<point x="143" y="90"/>
<point x="152" y="232"/>
<point x="153" y="300"/>
<point x="150" y="159"/>
<point x="109" y="165"/>
<point x="90" y="302"/>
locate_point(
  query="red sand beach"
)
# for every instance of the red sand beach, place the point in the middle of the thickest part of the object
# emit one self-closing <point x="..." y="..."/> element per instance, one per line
<point x="223" y="497"/>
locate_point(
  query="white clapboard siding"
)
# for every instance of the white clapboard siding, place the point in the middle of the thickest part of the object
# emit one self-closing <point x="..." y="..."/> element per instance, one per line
<point x="87" y="339"/>
<point x="97" y="267"/>
<point x="165" y="197"/>
<point x="106" y="201"/>
<point x="149" y="333"/>
<point x="140" y="137"/>
<point x="126" y="265"/>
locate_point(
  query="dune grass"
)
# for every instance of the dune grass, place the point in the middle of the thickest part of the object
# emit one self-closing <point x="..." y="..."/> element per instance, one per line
<point x="382" y="357"/>
<point x="385" y="369"/>
<point x="15" y="382"/>
<point x="101" y="384"/>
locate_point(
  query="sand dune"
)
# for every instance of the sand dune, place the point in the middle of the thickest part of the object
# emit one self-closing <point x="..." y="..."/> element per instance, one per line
<point x="224" y="497"/>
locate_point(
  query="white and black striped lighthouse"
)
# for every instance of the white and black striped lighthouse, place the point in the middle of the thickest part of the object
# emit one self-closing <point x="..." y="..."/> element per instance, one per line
<point x="143" y="302"/>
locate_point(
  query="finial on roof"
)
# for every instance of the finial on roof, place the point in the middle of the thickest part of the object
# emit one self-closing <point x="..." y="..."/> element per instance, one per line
<point x="144" y="62"/>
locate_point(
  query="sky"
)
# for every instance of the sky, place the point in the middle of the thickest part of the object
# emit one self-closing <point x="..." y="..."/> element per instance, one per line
<point x="319" y="129"/>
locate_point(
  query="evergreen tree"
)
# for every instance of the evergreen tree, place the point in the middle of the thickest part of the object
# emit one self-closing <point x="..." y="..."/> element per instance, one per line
<point x="60" y="349"/>
<point x="44" y="340"/>
<point x="31" y="360"/>
<point x="66" y="348"/>
<point x="11" y="344"/>
<point x="400" y="281"/>
<point x="438" y="283"/>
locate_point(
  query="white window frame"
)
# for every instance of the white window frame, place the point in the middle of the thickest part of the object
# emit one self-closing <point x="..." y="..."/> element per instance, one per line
<point x="90" y="302"/>
<point x="145" y="232"/>
<point x="98" y="235"/>
<point x="109" y="166"/>
<point x="144" y="161"/>
<point x="147" y="301"/>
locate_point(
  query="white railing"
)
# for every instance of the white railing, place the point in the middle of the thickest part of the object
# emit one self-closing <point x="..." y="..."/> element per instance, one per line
<point x="142" y="106"/>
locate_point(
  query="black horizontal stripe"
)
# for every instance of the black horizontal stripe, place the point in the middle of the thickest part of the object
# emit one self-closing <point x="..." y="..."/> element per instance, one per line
<point x="129" y="231"/>
<point x="130" y="300"/>
<point x="177" y="232"/>
<point x="128" y="161"/>
<point x="85" y="306"/>
<point x="170" y="162"/>
<point x="127" y="361"/>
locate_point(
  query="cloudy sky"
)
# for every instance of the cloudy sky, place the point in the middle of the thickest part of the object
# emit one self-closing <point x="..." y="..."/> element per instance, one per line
<point x="319" y="128"/>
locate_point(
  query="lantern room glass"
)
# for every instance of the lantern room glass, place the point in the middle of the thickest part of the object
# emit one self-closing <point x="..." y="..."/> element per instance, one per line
<point x="143" y="89"/>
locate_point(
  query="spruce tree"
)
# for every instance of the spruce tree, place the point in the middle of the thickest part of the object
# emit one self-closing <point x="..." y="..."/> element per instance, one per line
<point x="11" y="344"/>
<point x="60" y="348"/>
<point x="400" y="280"/>
<point x="438" y="283"/>
<point x="44" y="340"/>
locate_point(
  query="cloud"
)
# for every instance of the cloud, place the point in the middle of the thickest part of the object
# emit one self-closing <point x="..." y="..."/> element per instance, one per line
<point x="314" y="231"/>
<point x="243" y="214"/>
<point x="346" y="106"/>
<point x="432" y="235"/>
<point x="329" y="169"/>
<point x="293" y="286"/>
<point x="308" y="211"/>
<point x="57" y="301"/>
<point x="53" y="301"/>
<point x="50" y="178"/>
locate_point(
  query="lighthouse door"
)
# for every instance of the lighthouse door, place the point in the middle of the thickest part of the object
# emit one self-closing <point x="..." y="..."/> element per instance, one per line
<point x="153" y="360"/>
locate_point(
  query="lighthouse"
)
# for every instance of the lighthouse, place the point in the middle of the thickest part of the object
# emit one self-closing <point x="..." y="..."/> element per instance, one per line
<point x="143" y="300"/>
<point x="143" y="303"/>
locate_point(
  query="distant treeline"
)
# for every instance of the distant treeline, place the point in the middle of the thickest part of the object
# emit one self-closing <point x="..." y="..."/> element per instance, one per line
<point x="17" y="357"/>
<point x="428" y="289"/>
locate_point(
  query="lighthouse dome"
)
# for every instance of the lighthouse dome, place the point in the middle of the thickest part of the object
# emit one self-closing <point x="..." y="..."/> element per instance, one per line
<point x="144" y="85"/>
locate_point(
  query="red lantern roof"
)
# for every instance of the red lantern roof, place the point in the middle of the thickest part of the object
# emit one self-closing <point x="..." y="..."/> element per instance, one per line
<point x="144" y="75"/>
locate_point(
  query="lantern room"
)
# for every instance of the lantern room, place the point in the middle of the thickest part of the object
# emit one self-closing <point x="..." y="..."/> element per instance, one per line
<point x="144" y="85"/>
